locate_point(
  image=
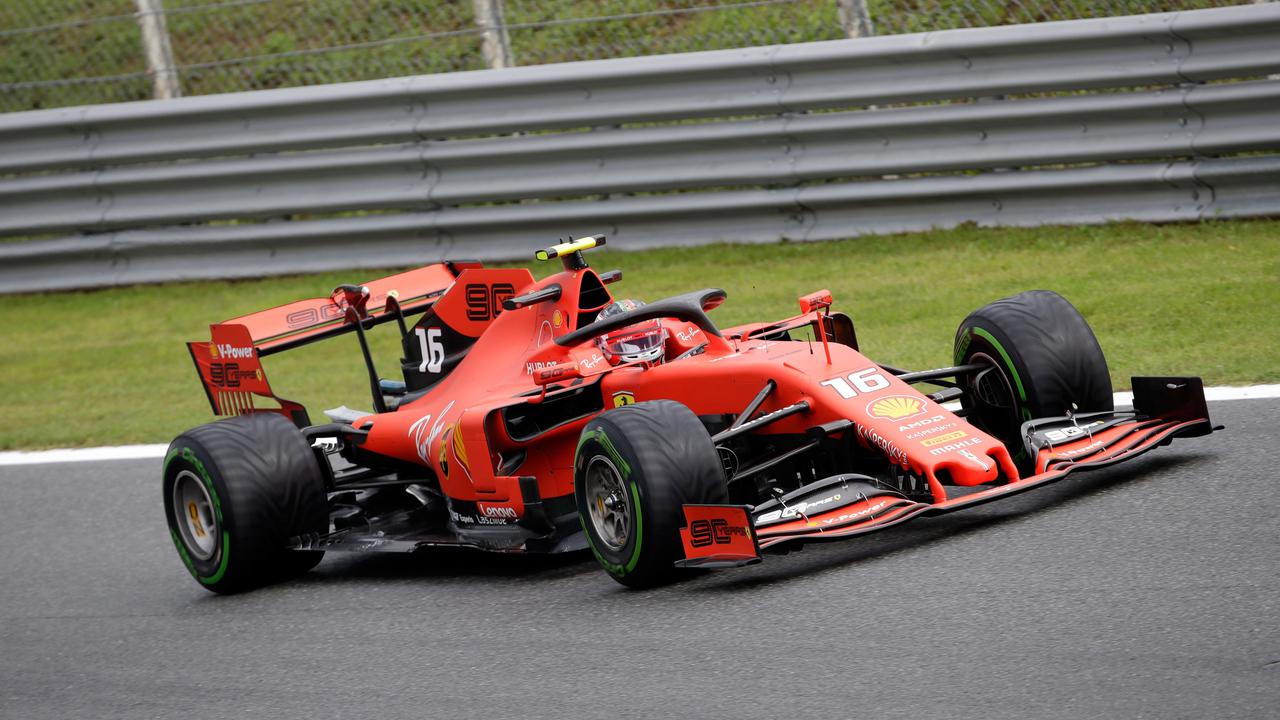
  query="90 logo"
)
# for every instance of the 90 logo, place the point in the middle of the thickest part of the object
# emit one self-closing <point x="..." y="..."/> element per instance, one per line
<point x="705" y="532"/>
<point x="485" y="302"/>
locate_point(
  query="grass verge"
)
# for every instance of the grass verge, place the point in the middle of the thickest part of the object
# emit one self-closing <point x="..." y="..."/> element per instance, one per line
<point x="110" y="367"/>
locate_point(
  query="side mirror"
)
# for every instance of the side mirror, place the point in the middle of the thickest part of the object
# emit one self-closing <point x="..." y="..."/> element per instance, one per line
<point x="815" y="301"/>
<point x="712" y="299"/>
<point x="557" y="373"/>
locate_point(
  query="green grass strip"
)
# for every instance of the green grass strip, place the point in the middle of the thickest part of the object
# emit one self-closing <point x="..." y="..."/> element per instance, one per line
<point x="110" y="367"/>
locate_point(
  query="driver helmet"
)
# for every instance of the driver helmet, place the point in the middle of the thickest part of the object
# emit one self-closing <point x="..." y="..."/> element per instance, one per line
<point x="643" y="341"/>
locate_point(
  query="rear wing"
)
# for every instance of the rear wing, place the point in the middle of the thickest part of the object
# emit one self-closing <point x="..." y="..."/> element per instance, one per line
<point x="305" y="321"/>
<point x="230" y="364"/>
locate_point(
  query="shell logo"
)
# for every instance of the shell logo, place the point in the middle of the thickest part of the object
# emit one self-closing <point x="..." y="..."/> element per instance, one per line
<point x="213" y="350"/>
<point x="460" y="451"/>
<point x="896" y="407"/>
<point x="441" y="458"/>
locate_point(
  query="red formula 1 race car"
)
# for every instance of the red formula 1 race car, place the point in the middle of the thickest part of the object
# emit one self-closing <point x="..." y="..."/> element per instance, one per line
<point x="548" y="416"/>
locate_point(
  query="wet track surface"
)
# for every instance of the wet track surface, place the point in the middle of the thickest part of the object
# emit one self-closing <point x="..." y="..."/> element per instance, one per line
<point x="1147" y="590"/>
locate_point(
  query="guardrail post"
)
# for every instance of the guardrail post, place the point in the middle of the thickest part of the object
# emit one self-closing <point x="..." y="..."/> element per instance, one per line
<point x="155" y="43"/>
<point x="855" y="20"/>
<point x="496" y="44"/>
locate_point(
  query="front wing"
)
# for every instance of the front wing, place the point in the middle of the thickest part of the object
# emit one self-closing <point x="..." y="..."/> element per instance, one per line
<point x="846" y="505"/>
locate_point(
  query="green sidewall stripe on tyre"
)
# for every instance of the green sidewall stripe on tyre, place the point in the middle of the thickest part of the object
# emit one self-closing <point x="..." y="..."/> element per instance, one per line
<point x="1026" y="412"/>
<point x="962" y="345"/>
<point x="182" y="551"/>
<point x="186" y="558"/>
<point x="600" y="437"/>
<point x="630" y="565"/>
<point x="1008" y="363"/>
<point x="189" y="456"/>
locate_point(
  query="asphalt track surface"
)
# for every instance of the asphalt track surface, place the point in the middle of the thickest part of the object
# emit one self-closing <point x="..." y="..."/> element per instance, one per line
<point x="1149" y="590"/>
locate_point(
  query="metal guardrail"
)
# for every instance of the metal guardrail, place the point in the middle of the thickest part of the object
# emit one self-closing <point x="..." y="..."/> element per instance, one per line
<point x="1184" y="122"/>
<point x="139" y="174"/>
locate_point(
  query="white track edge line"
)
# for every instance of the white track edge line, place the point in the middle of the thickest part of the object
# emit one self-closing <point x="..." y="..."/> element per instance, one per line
<point x="145" y="452"/>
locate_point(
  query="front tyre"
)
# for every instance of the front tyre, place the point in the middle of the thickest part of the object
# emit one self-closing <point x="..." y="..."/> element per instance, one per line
<point x="235" y="491"/>
<point x="1045" y="362"/>
<point x="635" y="468"/>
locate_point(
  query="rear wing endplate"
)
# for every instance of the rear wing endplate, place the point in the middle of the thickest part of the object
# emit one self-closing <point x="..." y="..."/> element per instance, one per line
<point x="230" y="369"/>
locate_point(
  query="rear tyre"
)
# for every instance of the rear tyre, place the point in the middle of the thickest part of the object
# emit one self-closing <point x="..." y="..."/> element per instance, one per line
<point x="235" y="491"/>
<point x="1045" y="361"/>
<point x="635" y="468"/>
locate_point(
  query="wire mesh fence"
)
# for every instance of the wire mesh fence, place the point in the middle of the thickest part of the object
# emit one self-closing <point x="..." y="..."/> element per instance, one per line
<point x="76" y="52"/>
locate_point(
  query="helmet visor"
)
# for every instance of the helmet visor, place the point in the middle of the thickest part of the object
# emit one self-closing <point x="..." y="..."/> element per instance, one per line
<point x="635" y="343"/>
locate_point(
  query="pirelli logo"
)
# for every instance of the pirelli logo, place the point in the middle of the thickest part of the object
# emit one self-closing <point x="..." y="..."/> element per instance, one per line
<point x="943" y="438"/>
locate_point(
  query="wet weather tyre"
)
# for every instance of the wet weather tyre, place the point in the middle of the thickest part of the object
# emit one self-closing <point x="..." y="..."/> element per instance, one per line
<point x="1045" y="360"/>
<point x="235" y="491"/>
<point x="634" y="470"/>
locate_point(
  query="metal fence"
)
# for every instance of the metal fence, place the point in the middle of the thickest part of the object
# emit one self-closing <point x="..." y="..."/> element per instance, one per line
<point x="78" y="52"/>
<point x="1159" y="117"/>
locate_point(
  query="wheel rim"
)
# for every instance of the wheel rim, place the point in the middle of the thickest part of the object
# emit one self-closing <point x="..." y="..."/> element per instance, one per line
<point x="193" y="510"/>
<point x="608" y="503"/>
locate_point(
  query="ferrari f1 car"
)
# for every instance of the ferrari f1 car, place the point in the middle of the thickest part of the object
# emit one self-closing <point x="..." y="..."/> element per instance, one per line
<point x="548" y="417"/>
